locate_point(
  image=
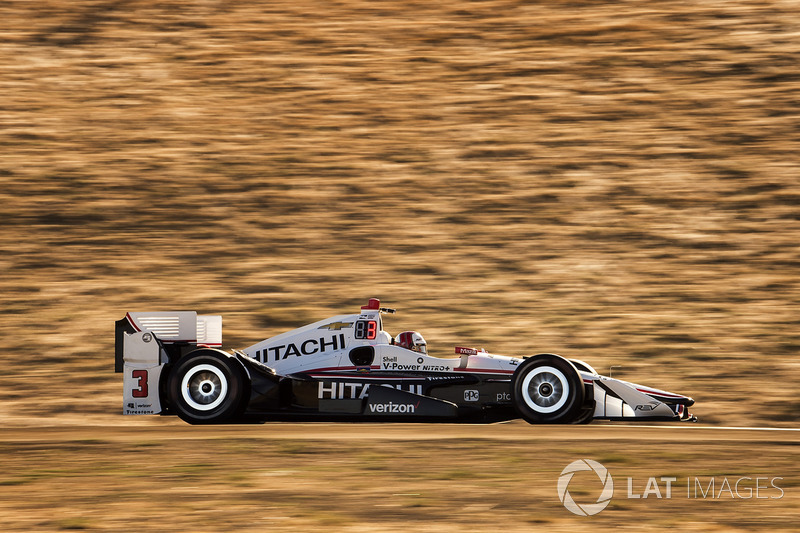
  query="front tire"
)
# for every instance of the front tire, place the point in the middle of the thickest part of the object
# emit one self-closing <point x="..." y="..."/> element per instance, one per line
<point x="547" y="389"/>
<point x="207" y="387"/>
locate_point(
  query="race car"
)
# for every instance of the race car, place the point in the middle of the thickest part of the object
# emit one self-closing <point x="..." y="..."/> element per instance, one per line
<point x="349" y="368"/>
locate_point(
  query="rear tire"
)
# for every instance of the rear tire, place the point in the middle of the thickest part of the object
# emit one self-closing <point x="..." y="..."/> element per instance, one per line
<point x="208" y="387"/>
<point x="547" y="389"/>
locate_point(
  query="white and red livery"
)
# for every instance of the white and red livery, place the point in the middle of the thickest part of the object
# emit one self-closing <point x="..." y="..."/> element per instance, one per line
<point x="348" y="367"/>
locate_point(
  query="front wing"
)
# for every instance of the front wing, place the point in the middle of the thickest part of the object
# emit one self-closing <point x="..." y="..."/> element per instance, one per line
<point x="620" y="400"/>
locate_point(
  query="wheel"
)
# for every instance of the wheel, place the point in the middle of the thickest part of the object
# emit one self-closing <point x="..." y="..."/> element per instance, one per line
<point x="585" y="416"/>
<point x="547" y="389"/>
<point x="207" y="387"/>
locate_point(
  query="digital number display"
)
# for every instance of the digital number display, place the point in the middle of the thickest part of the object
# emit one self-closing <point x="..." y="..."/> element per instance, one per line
<point x="366" y="329"/>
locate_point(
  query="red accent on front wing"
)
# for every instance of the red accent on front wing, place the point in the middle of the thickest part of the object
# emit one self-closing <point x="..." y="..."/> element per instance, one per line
<point x="662" y="394"/>
<point x="649" y="392"/>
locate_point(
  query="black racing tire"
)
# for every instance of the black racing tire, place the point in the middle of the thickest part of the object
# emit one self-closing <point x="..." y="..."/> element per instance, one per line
<point x="585" y="416"/>
<point x="547" y="389"/>
<point x="208" y="387"/>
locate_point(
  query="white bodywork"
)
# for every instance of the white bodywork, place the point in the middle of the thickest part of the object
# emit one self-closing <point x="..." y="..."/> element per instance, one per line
<point x="325" y="348"/>
<point x="321" y="349"/>
<point x="144" y="358"/>
<point x="320" y="345"/>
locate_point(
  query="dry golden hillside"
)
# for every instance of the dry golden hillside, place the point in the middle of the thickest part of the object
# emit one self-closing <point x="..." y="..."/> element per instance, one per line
<point x="615" y="181"/>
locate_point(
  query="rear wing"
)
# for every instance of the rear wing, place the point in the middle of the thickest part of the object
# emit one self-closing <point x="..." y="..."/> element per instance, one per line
<point x="167" y="327"/>
<point x="144" y="344"/>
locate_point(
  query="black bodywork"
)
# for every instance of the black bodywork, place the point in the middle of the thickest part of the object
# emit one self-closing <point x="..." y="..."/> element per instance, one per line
<point x="377" y="396"/>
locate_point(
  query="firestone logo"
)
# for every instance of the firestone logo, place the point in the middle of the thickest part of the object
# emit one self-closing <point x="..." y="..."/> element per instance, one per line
<point x="586" y="509"/>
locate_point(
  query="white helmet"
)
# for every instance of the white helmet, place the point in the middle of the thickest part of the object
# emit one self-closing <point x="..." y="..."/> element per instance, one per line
<point x="412" y="340"/>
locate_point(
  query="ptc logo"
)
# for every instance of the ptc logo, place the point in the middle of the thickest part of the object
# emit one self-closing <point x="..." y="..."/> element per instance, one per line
<point x="585" y="509"/>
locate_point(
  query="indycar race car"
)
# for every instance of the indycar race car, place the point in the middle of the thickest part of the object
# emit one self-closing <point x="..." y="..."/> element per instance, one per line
<point x="348" y="368"/>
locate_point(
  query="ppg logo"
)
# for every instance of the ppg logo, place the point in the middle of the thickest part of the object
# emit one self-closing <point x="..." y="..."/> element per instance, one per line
<point x="586" y="509"/>
<point x="471" y="396"/>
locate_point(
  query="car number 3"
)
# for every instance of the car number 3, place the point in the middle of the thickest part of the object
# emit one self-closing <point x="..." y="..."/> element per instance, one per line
<point x="140" y="390"/>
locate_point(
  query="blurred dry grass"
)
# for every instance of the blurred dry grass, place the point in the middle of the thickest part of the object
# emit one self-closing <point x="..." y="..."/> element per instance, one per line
<point x="615" y="182"/>
<point x="350" y="478"/>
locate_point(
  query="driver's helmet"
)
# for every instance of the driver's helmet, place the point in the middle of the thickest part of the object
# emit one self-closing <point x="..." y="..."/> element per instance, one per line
<point x="412" y="340"/>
